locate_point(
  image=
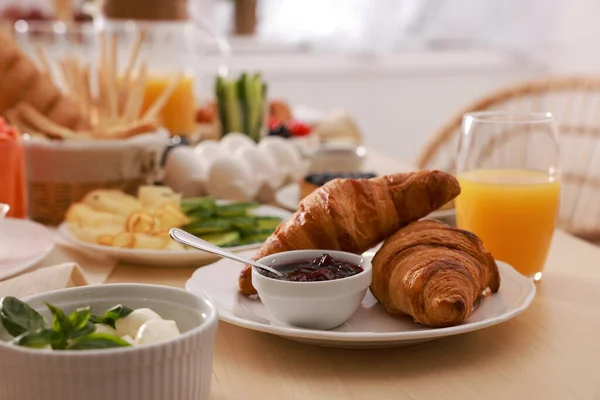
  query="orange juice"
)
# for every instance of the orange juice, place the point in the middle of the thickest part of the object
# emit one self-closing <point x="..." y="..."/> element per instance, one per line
<point x="513" y="211"/>
<point x="178" y="115"/>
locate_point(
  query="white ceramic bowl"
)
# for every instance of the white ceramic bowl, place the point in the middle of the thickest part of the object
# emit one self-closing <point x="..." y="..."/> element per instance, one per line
<point x="313" y="305"/>
<point x="179" y="369"/>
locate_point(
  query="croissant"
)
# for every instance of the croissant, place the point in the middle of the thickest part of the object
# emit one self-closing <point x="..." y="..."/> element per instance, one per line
<point x="356" y="214"/>
<point x="433" y="272"/>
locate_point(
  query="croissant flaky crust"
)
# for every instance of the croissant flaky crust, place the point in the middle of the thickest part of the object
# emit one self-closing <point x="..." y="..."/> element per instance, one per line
<point x="433" y="273"/>
<point x="356" y="214"/>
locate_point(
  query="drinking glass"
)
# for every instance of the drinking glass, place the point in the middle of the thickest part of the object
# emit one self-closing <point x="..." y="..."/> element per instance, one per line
<point x="508" y="169"/>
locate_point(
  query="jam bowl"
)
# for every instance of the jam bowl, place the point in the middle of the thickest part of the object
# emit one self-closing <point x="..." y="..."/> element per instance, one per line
<point x="320" y="289"/>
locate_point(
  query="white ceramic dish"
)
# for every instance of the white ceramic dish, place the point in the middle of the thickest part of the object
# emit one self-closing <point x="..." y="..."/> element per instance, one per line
<point x="317" y="305"/>
<point x="370" y="326"/>
<point x="166" y="258"/>
<point x="24" y="243"/>
<point x="288" y="196"/>
<point x="180" y="368"/>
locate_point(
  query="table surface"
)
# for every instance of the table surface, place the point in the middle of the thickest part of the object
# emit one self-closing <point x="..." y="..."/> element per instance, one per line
<point x="551" y="350"/>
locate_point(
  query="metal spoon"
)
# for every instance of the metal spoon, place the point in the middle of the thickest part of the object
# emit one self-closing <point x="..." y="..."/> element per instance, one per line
<point x="191" y="240"/>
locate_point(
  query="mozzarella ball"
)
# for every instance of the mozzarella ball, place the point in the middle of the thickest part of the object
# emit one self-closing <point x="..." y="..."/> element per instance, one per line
<point x="132" y="323"/>
<point x="155" y="331"/>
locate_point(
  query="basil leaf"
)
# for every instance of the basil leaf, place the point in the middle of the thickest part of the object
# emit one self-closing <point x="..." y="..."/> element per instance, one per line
<point x="112" y="315"/>
<point x="38" y="338"/>
<point x="89" y="327"/>
<point x="60" y="322"/>
<point x="97" y="341"/>
<point x="80" y="317"/>
<point x="18" y="317"/>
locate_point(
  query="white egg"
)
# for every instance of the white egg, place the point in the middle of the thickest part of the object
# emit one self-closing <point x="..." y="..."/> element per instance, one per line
<point x="262" y="165"/>
<point x="101" y="328"/>
<point x="131" y="323"/>
<point x="234" y="141"/>
<point x="155" y="331"/>
<point x="228" y="178"/>
<point x="287" y="157"/>
<point x="207" y="151"/>
<point x="184" y="172"/>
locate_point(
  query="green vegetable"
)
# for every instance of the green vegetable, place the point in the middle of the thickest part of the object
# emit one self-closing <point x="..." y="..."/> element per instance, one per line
<point x="235" y="209"/>
<point x="112" y="315"/>
<point x="80" y="317"/>
<point x="97" y="341"/>
<point x="198" y="204"/>
<point x="39" y="338"/>
<point x="60" y="322"/>
<point x="254" y="238"/>
<point x="17" y="317"/>
<point x="267" y="224"/>
<point x="74" y="332"/>
<point x="227" y="225"/>
<point x="213" y="225"/>
<point x="226" y="239"/>
<point x="242" y="104"/>
<point x="244" y="223"/>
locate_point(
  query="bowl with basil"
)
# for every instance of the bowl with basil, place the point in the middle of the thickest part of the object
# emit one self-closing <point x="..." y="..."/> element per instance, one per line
<point x="117" y="341"/>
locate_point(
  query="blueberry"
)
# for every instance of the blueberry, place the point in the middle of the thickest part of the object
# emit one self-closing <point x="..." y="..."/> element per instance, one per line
<point x="282" y="131"/>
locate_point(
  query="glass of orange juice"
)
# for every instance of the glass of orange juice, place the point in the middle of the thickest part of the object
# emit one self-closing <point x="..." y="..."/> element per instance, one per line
<point x="508" y="169"/>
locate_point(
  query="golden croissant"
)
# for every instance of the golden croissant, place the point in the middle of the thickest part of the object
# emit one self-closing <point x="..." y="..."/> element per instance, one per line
<point x="354" y="215"/>
<point x="433" y="273"/>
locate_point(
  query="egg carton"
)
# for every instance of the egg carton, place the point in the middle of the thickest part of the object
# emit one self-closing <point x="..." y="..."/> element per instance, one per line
<point x="235" y="168"/>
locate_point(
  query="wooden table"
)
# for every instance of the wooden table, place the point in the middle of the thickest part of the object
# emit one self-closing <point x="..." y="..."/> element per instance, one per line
<point x="552" y="351"/>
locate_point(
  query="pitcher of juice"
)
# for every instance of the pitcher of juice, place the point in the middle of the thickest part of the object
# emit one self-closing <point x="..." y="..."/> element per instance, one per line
<point x="171" y="44"/>
<point x="12" y="171"/>
<point x="508" y="169"/>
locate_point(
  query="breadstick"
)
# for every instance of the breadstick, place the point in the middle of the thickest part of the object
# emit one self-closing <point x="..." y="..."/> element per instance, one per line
<point x="41" y="56"/>
<point x="124" y="131"/>
<point x="133" y="55"/>
<point x="136" y="96"/>
<point x="44" y="125"/>
<point x="111" y="75"/>
<point x="67" y="77"/>
<point x="160" y="102"/>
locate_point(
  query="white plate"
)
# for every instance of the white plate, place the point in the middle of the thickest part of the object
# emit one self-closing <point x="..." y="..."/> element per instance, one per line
<point x="288" y="197"/>
<point x="167" y="258"/>
<point x="370" y="326"/>
<point x="24" y="243"/>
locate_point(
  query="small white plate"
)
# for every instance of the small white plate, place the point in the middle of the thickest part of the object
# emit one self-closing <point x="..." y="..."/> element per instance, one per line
<point x="24" y="243"/>
<point x="288" y="196"/>
<point x="371" y="326"/>
<point x="167" y="258"/>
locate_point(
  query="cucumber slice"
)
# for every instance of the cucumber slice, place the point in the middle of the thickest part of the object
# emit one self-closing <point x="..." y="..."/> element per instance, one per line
<point x="233" y="116"/>
<point x="267" y="223"/>
<point x="239" y="209"/>
<point x="243" y="223"/>
<point x="213" y="225"/>
<point x="255" y="238"/>
<point x="191" y="205"/>
<point x="225" y="239"/>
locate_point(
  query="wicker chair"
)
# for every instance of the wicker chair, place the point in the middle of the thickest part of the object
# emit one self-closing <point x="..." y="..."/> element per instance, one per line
<point x="575" y="103"/>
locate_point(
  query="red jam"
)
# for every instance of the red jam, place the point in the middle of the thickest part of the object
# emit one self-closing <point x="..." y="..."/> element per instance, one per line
<point x="324" y="268"/>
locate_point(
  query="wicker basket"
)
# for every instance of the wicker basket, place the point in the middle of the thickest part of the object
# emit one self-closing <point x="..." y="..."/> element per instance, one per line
<point x="61" y="173"/>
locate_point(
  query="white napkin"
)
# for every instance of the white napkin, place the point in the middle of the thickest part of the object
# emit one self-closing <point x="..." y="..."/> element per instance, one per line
<point x="96" y="268"/>
<point x="43" y="280"/>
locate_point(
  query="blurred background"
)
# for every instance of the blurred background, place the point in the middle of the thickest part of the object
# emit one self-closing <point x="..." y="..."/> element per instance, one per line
<point x="401" y="68"/>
